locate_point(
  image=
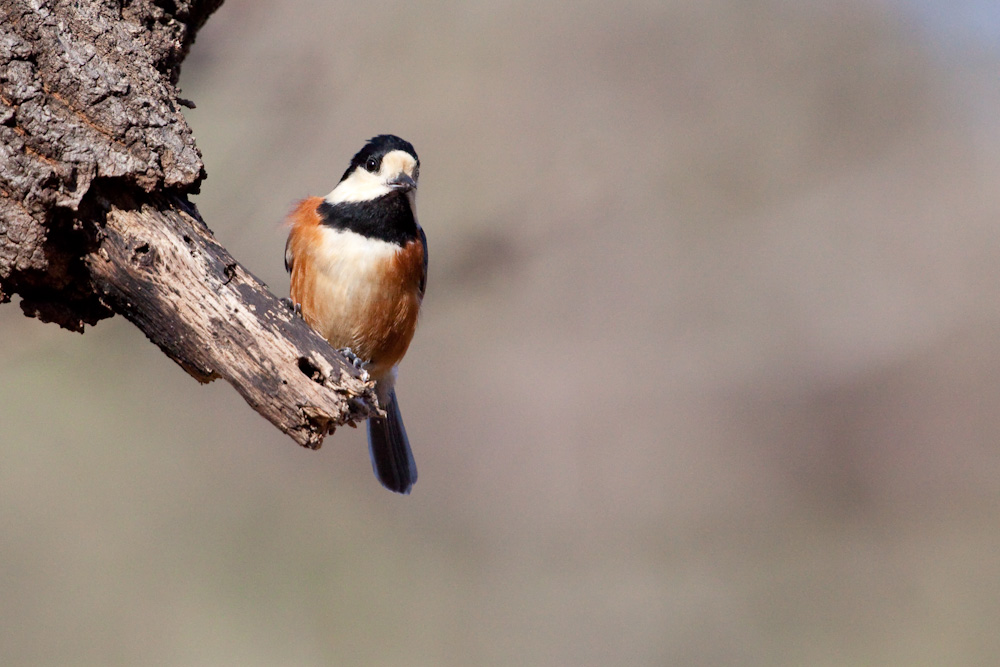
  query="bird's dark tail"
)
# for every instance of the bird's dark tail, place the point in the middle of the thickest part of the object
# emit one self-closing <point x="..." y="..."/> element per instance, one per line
<point x="389" y="447"/>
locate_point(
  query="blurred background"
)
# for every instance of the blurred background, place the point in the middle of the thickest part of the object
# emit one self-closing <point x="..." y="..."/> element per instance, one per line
<point x="708" y="370"/>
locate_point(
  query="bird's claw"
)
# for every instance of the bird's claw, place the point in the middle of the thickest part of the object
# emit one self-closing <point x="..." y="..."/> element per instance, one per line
<point x="355" y="361"/>
<point x="296" y="308"/>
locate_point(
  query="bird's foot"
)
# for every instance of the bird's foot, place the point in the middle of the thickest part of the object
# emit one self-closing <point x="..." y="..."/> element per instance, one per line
<point x="296" y="308"/>
<point x="355" y="361"/>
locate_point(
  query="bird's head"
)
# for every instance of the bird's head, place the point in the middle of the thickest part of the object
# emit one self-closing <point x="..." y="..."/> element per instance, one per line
<point x="386" y="165"/>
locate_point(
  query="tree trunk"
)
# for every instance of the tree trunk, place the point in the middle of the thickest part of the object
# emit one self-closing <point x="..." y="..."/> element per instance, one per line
<point x="96" y="163"/>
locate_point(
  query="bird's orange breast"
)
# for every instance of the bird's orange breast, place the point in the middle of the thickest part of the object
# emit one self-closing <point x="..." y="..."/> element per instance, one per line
<point x="355" y="291"/>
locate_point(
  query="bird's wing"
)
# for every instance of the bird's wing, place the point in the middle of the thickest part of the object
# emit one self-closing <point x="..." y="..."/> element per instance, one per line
<point x="423" y="276"/>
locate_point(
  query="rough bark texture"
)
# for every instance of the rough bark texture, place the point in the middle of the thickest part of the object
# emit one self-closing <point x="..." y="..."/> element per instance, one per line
<point x="96" y="162"/>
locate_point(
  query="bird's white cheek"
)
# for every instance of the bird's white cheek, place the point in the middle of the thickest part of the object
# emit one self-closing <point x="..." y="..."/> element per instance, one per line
<point x="359" y="186"/>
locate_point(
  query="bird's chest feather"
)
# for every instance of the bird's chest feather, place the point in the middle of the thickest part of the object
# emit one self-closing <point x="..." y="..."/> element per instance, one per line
<point x="361" y="293"/>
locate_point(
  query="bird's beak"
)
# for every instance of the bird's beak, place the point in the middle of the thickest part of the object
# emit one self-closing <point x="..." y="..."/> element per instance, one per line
<point x="403" y="182"/>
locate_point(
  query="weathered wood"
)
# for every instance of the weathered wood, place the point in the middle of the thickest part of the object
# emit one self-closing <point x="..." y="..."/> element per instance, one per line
<point x="96" y="162"/>
<point x="86" y="94"/>
<point x="158" y="265"/>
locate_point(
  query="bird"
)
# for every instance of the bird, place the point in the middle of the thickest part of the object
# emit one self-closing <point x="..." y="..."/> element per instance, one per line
<point x="358" y="265"/>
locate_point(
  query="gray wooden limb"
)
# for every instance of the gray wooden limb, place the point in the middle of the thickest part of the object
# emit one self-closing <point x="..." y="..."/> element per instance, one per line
<point x="96" y="162"/>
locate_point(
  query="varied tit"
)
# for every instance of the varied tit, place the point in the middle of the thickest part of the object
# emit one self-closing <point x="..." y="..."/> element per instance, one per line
<point x="358" y="264"/>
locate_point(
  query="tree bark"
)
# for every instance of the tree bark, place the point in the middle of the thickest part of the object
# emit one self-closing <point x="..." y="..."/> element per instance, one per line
<point x="96" y="163"/>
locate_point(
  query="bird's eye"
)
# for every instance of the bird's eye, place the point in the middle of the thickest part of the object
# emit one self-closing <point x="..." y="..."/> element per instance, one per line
<point x="372" y="165"/>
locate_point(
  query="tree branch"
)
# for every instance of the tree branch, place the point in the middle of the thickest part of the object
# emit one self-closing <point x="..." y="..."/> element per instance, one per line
<point x="96" y="162"/>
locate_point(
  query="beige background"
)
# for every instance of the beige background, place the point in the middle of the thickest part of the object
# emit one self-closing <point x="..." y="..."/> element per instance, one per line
<point x="708" y="372"/>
